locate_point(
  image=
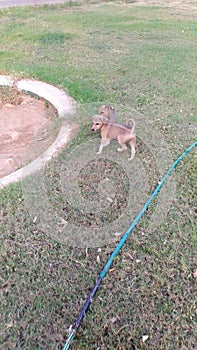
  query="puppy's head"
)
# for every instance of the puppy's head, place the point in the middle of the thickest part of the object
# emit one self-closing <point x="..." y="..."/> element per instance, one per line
<point x="98" y="121"/>
<point x="106" y="111"/>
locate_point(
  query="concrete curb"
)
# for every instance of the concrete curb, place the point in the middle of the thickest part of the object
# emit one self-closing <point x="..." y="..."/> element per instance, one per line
<point x="6" y="80"/>
<point x="63" y="103"/>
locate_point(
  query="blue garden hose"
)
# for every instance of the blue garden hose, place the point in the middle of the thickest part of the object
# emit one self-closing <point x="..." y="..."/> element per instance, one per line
<point x="105" y="270"/>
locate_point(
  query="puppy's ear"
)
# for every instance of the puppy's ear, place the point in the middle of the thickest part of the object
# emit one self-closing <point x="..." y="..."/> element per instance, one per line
<point x="112" y="109"/>
<point x="104" y="120"/>
<point x="101" y="109"/>
<point x="94" y="117"/>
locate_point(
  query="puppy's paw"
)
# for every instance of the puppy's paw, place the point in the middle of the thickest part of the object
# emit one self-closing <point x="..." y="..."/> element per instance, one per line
<point x="131" y="158"/>
<point x="98" y="152"/>
<point x="120" y="149"/>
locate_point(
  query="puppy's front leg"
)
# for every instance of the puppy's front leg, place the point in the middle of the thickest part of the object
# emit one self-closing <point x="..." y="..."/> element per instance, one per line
<point x="104" y="143"/>
<point x="100" y="149"/>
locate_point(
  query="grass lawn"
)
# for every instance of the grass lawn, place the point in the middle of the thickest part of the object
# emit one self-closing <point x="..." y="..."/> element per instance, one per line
<point x="142" y="60"/>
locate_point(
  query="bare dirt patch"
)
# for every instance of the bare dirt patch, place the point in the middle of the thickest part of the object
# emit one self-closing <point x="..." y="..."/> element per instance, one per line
<point x="21" y="121"/>
<point x="186" y="5"/>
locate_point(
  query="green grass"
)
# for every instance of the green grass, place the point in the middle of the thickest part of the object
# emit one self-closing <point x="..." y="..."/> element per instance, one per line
<point x="141" y="58"/>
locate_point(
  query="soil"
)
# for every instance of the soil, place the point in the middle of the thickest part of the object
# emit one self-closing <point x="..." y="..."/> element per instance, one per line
<point x="186" y="4"/>
<point x="19" y="123"/>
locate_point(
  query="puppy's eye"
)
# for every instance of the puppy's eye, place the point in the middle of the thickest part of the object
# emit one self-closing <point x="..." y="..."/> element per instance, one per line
<point x="97" y="123"/>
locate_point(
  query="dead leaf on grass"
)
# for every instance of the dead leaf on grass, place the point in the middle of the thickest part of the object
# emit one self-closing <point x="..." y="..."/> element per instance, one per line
<point x="98" y="259"/>
<point x="195" y="274"/>
<point x="114" y="319"/>
<point x="144" y="338"/>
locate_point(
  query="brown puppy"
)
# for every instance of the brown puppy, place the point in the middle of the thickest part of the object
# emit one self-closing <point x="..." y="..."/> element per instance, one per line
<point x="108" y="112"/>
<point x="110" y="131"/>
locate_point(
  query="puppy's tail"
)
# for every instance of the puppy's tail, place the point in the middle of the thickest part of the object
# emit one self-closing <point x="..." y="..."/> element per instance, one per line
<point x="130" y="125"/>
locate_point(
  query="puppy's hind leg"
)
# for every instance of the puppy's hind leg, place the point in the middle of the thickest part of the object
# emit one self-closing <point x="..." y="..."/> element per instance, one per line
<point x="123" y="147"/>
<point x="132" y="144"/>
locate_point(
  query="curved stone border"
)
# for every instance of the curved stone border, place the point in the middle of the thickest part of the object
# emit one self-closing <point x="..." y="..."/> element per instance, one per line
<point x="63" y="103"/>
